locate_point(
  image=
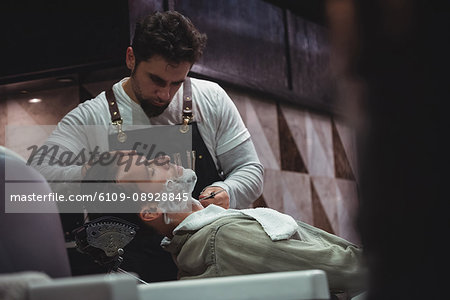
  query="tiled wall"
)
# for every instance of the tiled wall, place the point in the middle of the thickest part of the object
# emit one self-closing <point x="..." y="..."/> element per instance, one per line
<point x="17" y="111"/>
<point x="310" y="163"/>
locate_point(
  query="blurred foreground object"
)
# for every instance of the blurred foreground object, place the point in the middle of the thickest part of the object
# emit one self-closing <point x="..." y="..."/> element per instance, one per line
<point x="392" y="59"/>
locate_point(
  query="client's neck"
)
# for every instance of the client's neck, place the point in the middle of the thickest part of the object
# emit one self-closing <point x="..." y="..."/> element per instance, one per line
<point x="174" y="220"/>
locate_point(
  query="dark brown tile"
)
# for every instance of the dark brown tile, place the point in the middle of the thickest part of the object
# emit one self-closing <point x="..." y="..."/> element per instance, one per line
<point x="290" y="157"/>
<point x="342" y="168"/>
<point x="320" y="217"/>
<point x="260" y="202"/>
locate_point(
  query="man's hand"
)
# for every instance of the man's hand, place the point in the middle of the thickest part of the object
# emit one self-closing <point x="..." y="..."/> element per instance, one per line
<point x="220" y="198"/>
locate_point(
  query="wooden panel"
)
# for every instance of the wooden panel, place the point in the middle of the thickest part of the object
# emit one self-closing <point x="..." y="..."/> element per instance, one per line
<point x="310" y="55"/>
<point x="312" y="10"/>
<point x="141" y="8"/>
<point x="245" y="40"/>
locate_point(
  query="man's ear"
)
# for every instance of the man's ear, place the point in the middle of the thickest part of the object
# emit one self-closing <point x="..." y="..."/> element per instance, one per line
<point x="148" y="214"/>
<point x="130" y="58"/>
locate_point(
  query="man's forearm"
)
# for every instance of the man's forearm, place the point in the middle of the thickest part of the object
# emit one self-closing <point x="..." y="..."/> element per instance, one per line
<point x="244" y="175"/>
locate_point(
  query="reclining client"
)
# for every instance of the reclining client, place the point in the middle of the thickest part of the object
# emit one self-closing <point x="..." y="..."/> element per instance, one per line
<point x="213" y="241"/>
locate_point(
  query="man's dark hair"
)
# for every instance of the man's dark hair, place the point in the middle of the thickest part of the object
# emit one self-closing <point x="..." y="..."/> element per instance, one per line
<point x="96" y="182"/>
<point x="169" y="34"/>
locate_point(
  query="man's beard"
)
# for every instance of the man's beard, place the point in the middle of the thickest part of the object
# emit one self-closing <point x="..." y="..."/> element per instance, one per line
<point x="152" y="110"/>
<point x="149" y="109"/>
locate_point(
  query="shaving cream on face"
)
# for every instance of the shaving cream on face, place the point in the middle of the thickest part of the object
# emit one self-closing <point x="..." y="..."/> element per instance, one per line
<point x="185" y="183"/>
<point x="178" y="193"/>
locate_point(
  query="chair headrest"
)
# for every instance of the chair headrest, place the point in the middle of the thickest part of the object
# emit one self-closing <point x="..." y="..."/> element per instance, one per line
<point x="104" y="239"/>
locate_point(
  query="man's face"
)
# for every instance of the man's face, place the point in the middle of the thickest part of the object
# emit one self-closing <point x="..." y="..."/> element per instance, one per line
<point x="155" y="81"/>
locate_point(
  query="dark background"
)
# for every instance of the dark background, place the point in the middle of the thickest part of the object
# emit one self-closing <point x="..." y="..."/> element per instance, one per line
<point x="275" y="48"/>
<point x="49" y="35"/>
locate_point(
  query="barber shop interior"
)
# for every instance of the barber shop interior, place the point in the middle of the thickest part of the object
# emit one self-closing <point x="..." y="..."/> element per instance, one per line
<point x="226" y="150"/>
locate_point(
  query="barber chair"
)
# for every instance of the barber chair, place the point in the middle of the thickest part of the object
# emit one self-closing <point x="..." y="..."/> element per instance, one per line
<point x="32" y="247"/>
<point x="31" y="241"/>
<point x="296" y="285"/>
<point x="299" y="285"/>
<point x="104" y="239"/>
<point x="89" y="287"/>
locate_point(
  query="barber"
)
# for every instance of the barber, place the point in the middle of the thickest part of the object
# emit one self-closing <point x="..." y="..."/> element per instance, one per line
<point x="158" y="92"/>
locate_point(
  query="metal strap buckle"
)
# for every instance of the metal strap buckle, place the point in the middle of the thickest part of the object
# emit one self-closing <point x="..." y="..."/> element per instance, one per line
<point x="121" y="135"/>
<point x="185" y="126"/>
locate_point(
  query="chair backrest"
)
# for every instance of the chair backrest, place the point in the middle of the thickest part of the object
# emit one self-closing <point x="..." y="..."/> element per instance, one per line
<point x="298" y="285"/>
<point x="29" y="241"/>
<point x="90" y="287"/>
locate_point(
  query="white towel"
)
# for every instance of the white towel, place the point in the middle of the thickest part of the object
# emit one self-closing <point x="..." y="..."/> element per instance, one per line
<point x="277" y="226"/>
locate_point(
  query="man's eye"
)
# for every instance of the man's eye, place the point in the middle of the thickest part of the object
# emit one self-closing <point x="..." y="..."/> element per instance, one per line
<point x="157" y="81"/>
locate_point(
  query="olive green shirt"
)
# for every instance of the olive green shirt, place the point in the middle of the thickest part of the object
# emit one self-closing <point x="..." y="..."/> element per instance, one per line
<point x="238" y="245"/>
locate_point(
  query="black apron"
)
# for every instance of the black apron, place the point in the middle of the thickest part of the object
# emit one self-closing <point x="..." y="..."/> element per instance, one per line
<point x="144" y="254"/>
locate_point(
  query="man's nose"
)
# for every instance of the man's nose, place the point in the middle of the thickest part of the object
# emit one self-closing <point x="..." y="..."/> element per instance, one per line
<point x="164" y="93"/>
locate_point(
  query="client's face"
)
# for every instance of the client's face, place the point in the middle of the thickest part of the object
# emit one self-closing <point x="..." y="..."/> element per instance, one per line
<point x="152" y="176"/>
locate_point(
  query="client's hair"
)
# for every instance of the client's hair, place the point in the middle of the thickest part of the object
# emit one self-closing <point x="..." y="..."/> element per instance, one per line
<point x="101" y="178"/>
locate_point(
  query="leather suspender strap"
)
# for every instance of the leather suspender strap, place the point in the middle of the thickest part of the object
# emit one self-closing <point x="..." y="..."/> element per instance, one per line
<point x="113" y="108"/>
<point x="187" y="105"/>
<point x="187" y="99"/>
<point x="116" y="119"/>
<point x="187" y="116"/>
